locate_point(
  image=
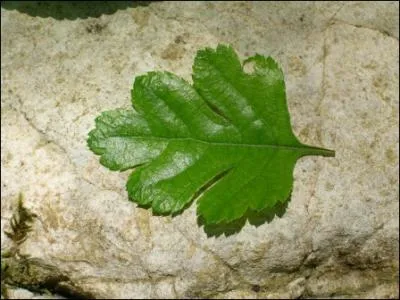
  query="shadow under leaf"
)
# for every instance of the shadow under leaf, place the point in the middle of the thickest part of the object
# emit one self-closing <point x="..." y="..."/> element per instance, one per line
<point x="70" y="9"/>
<point x="253" y="217"/>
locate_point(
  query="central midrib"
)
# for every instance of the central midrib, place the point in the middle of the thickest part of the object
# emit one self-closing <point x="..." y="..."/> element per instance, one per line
<point x="305" y="149"/>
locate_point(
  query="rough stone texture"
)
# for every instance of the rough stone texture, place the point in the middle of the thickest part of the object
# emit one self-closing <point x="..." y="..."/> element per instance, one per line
<point x="19" y="293"/>
<point x="339" y="235"/>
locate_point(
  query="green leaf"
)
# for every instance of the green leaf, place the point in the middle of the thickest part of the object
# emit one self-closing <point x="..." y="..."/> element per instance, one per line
<point x="226" y="139"/>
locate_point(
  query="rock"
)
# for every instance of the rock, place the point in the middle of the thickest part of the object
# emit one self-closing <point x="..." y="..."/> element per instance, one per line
<point x="25" y="294"/>
<point x="339" y="234"/>
<point x="20" y="294"/>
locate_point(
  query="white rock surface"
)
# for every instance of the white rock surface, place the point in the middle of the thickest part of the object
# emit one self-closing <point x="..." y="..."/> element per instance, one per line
<point x="339" y="236"/>
<point x="19" y="293"/>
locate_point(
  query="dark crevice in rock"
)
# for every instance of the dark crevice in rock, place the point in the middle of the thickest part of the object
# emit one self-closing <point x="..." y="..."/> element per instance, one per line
<point x="38" y="277"/>
<point x="71" y="10"/>
<point x="33" y="274"/>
